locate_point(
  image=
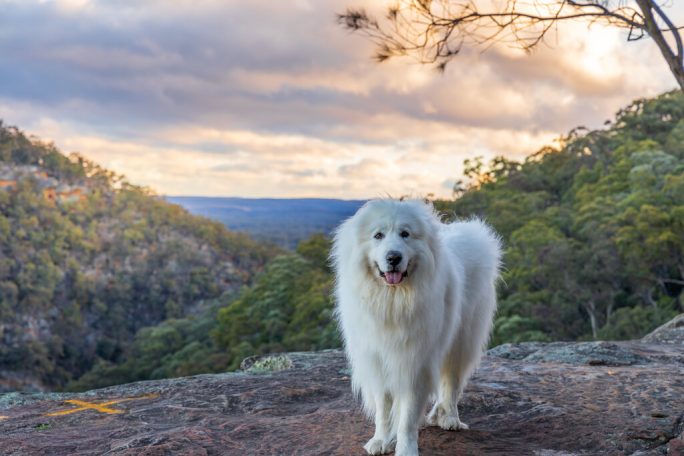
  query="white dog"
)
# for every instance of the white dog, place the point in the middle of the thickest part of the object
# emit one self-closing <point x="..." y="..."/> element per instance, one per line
<point x="415" y="302"/>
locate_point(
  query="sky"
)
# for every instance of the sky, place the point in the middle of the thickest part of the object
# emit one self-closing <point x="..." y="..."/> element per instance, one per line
<point x="264" y="98"/>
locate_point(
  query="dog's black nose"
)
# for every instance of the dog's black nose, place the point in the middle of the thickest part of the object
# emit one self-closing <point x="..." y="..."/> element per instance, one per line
<point x="393" y="257"/>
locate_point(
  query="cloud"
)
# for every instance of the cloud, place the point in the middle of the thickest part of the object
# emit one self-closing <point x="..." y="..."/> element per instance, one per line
<point x="267" y="98"/>
<point x="366" y="168"/>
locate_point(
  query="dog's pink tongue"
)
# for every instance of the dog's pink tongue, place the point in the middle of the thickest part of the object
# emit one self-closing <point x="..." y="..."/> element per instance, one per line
<point x="393" y="278"/>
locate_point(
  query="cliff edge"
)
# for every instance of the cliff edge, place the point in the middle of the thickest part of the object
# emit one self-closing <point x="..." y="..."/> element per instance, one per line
<point x="556" y="399"/>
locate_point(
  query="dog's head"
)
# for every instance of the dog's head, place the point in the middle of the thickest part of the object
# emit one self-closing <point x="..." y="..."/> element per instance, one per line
<point x="394" y="239"/>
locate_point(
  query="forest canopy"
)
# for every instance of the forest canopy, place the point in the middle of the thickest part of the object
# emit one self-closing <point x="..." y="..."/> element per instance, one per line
<point x="134" y="288"/>
<point x="87" y="259"/>
<point x="594" y="240"/>
<point x="594" y="229"/>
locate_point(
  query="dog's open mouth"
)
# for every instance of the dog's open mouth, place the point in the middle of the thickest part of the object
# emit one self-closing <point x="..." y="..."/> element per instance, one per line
<point x="393" y="277"/>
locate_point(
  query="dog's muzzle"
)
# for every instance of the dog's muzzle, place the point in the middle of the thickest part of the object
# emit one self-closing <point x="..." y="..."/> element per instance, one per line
<point x="394" y="277"/>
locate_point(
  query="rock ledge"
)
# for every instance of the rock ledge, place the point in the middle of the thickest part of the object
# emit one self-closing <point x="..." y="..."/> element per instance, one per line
<point x="557" y="399"/>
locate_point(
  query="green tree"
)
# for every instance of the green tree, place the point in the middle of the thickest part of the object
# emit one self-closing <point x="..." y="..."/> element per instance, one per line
<point x="592" y="229"/>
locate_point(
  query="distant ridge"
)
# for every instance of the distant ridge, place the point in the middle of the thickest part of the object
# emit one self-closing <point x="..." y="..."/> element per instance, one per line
<point x="283" y="221"/>
<point x="88" y="259"/>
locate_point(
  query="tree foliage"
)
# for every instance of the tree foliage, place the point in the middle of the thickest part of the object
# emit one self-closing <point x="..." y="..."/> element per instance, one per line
<point x="125" y="287"/>
<point x="593" y="230"/>
<point x="288" y="308"/>
<point x="78" y="280"/>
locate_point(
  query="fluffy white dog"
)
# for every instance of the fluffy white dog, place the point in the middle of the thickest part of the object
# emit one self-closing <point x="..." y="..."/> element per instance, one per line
<point x="415" y="302"/>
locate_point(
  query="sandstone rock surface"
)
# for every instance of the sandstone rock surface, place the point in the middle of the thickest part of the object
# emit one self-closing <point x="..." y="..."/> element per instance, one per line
<point x="557" y="399"/>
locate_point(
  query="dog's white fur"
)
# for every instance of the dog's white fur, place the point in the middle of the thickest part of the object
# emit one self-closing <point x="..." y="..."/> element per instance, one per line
<point x="424" y="336"/>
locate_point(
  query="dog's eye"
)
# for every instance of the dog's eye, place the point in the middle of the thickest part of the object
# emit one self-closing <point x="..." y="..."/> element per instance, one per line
<point x="379" y="235"/>
<point x="404" y="234"/>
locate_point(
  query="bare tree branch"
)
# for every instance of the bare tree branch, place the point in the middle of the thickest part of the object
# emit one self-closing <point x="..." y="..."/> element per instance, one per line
<point x="672" y="57"/>
<point x="434" y="31"/>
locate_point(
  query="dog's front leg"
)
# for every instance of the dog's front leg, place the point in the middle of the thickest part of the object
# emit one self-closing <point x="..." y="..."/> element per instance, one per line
<point x="384" y="439"/>
<point x="411" y="409"/>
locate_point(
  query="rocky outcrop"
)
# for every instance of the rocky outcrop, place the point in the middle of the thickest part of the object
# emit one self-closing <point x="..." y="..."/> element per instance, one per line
<point x="52" y="188"/>
<point x="671" y="332"/>
<point x="593" y="398"/>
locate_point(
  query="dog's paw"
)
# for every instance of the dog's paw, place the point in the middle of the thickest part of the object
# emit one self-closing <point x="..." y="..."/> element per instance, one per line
<point x="375" y="446"/>
<point x="439" y="417"/>
<point x="431" y="419"/>
<point x="434" y="415"/>
<point x="407" y="449"/>
<point x="451" y="423"/>
<point x="389" y="444"/>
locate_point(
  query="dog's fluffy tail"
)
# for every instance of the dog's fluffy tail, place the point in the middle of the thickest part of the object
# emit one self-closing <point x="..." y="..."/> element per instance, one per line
<point x="479" y="247"/>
